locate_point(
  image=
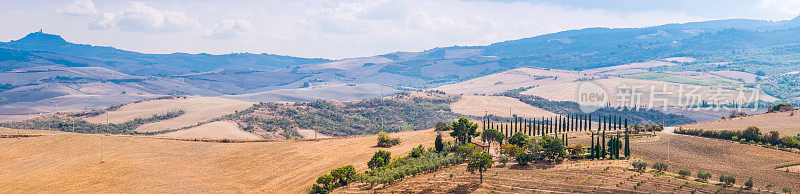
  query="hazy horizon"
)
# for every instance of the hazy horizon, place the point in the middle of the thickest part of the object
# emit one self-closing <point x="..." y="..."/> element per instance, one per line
<point x="335" y="30"/>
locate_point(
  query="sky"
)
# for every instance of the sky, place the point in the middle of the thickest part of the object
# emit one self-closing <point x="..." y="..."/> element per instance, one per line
<point x="336" y="29"/>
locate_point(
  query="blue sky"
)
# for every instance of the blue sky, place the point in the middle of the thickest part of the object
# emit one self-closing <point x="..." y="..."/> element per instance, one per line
<point x="341" y="29"/>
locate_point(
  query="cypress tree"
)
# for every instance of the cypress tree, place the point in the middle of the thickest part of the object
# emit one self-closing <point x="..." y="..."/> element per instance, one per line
<point x="603" y="136"/>
<point x="575" y="122"/>
<point x="618" y="145"/>
<point x="511" y="125"/>
<point x="627" y="139"/>
<point x="530" y="127"/>
<point x="592" y="148"/>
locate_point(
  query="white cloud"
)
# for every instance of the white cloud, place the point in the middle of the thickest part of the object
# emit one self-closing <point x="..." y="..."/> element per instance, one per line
<point x="230" y="28"/>
<point x="140" y="17"/>
<point x="105" y="21"/>
<point x="787" y="7"/>
<point x="79" y="7"/>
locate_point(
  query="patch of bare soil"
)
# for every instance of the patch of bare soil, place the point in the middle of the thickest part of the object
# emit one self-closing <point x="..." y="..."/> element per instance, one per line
<point x="719" y="157"/>
<point x="568" y="177"/>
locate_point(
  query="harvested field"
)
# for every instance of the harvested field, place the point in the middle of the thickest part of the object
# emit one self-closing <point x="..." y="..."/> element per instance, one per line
<point x="794" y="169"/>
<point x="612" y="86"/>
<point x="213" y="130"/>
<point x="509" y="80"/>
<point x="569" y="177"/>
<point x="7" y="118"/>
<point x="784" y="122"/>
<point x="746" y="77"/>
<point x="717" y="157"/>
<point x="709" y="114"/>
<point x="197" y="109"/>
<point x="310" y="134"/>
<point x="680" y="59"/>
<point x="615" y="70"/>
<point x="497" y="105"/>
<point x="720" y="157"/>
<point x="68" y="162"/>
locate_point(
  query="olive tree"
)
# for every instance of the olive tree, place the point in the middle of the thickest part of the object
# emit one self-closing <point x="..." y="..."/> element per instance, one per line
<point x="480" y="161"/>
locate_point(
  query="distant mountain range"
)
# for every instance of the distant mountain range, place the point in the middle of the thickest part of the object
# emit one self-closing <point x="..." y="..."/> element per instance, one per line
<point x="44" y="66"/>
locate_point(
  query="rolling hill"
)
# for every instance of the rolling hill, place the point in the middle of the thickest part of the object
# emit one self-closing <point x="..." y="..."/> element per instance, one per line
<point x="40" y="67"/>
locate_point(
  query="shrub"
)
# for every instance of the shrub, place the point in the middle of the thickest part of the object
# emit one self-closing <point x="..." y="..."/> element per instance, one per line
<point x="417" y="151"/>
<point x="790" y="142"/>
<point x="325" y="184"/>
<point x="703" y="175"/>
<point x="316" y="189"/>
<point x="532" y="145"/>
<point x="773" y="137"/>
<point x="442" y="126"/>
<point x="503" y="160"/>
<point x="660" y="166"/>
<point x="465" y="150"/>
<point x="552" y="147"/>
<point x="409" y="166"/>
<point x="781" y="107"/>
<point x="751" y="133"/>
<point x="385" y="141"/>
<point x="786" y="190"/>
<point x="749" y="183"/>
<point x="639" y="166"/>
<point x="525" y="158"/>
<point x="684" y="173"/>
<point x="510" y="150"/>
<point x="438" y="144"/>
<point x="518" y="139"/>
<point x="727" y="180"/>
<point x="344" y="175"/>
<point x="379" y="159"/>
<point x="577" y="149"/>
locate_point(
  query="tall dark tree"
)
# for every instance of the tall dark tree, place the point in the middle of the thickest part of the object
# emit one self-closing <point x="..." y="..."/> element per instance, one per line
<point x="627" y="140"/>
<point x="593" y="153"/>
<point x="603" y="152"/>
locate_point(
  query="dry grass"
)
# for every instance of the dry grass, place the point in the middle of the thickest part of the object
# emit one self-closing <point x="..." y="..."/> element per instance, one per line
<point x="782" y="122"/>
<point x="746" y="77"/>
<point x="720" y="157"/>
<point x="213" y="130"/>
<point x="569" y="92"/>
<point x="568" y="177"/>
<point x="509" y="80"/>
<point x="197" y="109"/>
<point x="7" y="118"/>
<point x="497" y="105"/>
<point x="627" y="68"/>
<point x="794" y="169"/>
<point x="310" y="134"/>
<point x="68" y="162"/>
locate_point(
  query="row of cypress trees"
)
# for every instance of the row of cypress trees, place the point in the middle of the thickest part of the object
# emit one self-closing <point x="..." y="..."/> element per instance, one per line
<point x="573" y="123"/>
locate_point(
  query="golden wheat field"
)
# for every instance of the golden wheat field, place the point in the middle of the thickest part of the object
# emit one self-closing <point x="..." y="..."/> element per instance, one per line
<point x="60" y="162"/>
